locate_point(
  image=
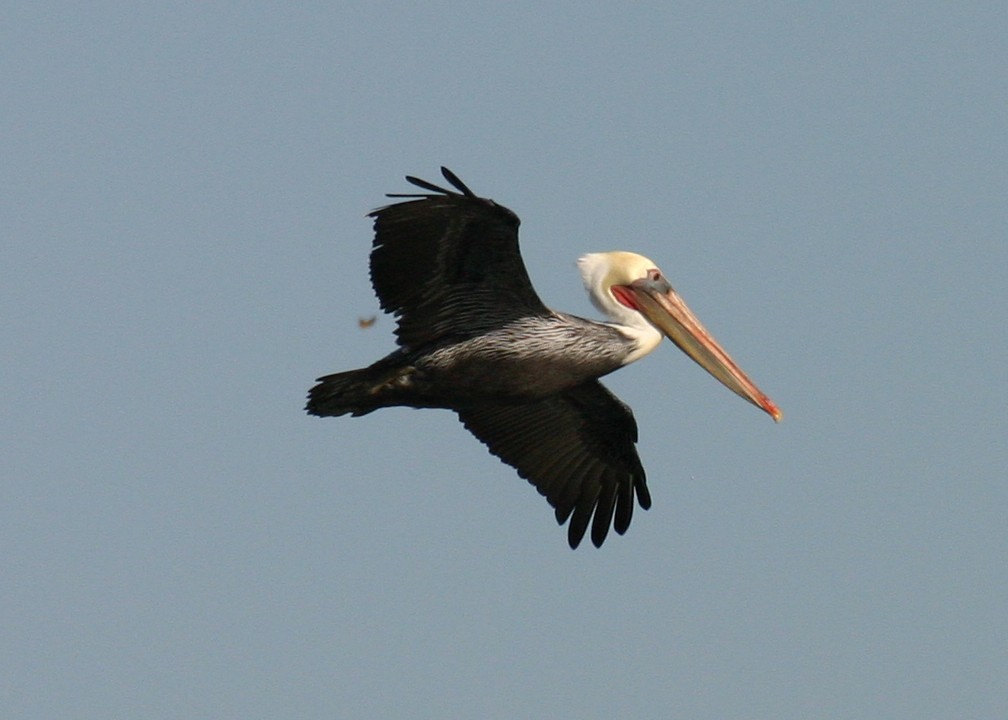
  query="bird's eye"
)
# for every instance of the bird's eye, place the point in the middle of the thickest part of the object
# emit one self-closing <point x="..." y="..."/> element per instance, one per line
<point x="654" y="274"/>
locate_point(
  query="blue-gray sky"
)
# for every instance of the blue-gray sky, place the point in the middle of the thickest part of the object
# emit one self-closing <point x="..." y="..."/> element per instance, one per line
<point x="184" y="249"/>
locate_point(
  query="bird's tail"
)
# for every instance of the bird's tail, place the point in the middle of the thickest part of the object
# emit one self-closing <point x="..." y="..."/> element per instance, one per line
<point x="358" y="392"/>
<point x="341" y="393"/>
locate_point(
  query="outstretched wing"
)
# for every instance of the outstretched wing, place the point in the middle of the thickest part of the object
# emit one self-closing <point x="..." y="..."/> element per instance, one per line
<point x="577" y="448"/>
<point x="447" y="264"/>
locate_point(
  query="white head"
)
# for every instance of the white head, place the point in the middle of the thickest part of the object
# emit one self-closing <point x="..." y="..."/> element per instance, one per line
<point x="601" y="273"/>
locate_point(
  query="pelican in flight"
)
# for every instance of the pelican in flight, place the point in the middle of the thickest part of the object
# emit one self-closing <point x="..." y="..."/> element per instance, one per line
<point x="475" y="338"/>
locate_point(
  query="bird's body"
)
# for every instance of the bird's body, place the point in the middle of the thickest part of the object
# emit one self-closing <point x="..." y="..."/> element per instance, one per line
<point x="563" y="350"/>
<point x="475" y="338"/>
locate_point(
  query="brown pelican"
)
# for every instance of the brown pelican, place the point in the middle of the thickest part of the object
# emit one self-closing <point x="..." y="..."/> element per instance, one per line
<point x="475" y="338"/>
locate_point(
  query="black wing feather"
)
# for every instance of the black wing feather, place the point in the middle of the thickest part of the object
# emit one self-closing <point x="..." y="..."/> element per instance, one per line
<point x="590" y="427"/>
<point x="437" y="189"/>
<point x="448" y="265"/>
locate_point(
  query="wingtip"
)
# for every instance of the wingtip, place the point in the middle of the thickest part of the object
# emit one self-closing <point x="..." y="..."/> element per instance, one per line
<point x="458" y="184"/>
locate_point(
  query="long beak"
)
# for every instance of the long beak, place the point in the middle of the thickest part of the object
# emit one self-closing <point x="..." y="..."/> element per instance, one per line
<point x="660" y="304"/>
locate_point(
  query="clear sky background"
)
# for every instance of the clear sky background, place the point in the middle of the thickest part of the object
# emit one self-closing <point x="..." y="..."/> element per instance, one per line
<point x="184" y="249"/>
